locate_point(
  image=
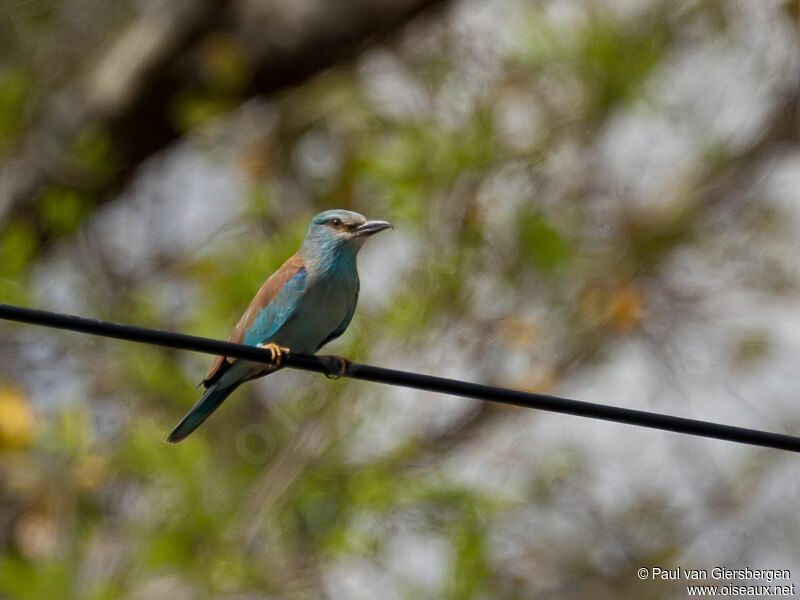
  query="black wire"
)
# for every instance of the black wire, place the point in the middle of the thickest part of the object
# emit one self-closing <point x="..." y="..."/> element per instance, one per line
<point x="331" y="365"/>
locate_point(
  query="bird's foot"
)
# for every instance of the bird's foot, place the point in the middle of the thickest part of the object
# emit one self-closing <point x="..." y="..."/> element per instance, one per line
<point x="336" y="365"/>
<point x="276" y="352"/>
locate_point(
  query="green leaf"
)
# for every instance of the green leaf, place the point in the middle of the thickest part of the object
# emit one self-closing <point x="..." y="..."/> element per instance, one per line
<point x="541" y="243"/>
<point x="63" y="209"/>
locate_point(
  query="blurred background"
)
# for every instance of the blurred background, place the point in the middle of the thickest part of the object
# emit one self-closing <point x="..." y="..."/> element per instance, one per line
<point x="598" y="200"/>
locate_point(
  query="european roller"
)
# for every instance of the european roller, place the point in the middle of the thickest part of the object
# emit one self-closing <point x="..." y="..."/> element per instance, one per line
<point x="305" y="304"/>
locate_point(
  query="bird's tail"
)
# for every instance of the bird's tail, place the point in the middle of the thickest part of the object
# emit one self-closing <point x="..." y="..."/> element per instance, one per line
<point x="208" y="403"/>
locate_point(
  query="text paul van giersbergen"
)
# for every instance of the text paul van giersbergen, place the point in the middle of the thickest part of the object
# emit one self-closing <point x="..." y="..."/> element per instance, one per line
<point x="720" y="573"/>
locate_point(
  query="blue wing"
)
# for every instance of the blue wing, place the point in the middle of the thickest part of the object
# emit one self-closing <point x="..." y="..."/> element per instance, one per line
<point x="274" y="315"/>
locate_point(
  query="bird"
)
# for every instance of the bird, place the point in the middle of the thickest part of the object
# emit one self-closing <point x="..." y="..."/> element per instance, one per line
<point x="306" y="303"/>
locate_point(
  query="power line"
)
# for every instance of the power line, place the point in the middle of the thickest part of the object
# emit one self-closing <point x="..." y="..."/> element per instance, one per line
<point x="331" y="365"/>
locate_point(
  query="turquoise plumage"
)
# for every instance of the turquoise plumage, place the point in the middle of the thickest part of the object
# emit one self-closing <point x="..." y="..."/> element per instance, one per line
<point x="306" y="303"/>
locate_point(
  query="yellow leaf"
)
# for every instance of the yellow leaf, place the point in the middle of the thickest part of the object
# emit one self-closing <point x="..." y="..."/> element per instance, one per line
<point x="17" y="422"/>
<point x="619" y="308"/>
<point x="91" y="472"/>
<point x="625" y="308"/>
<point x="516" y="332"/>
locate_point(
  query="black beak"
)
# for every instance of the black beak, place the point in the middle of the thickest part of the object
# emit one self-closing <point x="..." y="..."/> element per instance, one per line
<point x="372" y="227"/>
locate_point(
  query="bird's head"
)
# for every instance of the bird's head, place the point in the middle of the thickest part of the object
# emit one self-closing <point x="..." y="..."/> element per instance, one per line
<point x="340" y="230"/>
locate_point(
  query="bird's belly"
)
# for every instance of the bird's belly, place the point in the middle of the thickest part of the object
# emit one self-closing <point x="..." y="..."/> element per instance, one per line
<point x="320" y="312"/>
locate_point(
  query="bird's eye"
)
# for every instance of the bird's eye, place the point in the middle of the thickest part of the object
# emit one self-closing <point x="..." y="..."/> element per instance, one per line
<point x="336" y="221"/>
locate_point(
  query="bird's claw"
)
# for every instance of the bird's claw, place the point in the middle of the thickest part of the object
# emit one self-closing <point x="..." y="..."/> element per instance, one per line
<point x="276" y="352"/>
<point x="337" y="366"/>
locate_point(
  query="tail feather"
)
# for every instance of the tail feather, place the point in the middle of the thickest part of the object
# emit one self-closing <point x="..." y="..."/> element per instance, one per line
<point x="208" y="403"/>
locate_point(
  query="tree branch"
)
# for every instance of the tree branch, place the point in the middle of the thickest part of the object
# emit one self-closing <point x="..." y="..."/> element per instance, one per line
<point x="130" y="91"/>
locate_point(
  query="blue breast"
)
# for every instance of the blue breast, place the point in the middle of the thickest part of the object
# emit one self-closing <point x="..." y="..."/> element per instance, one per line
<point x="327" y="301"/>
